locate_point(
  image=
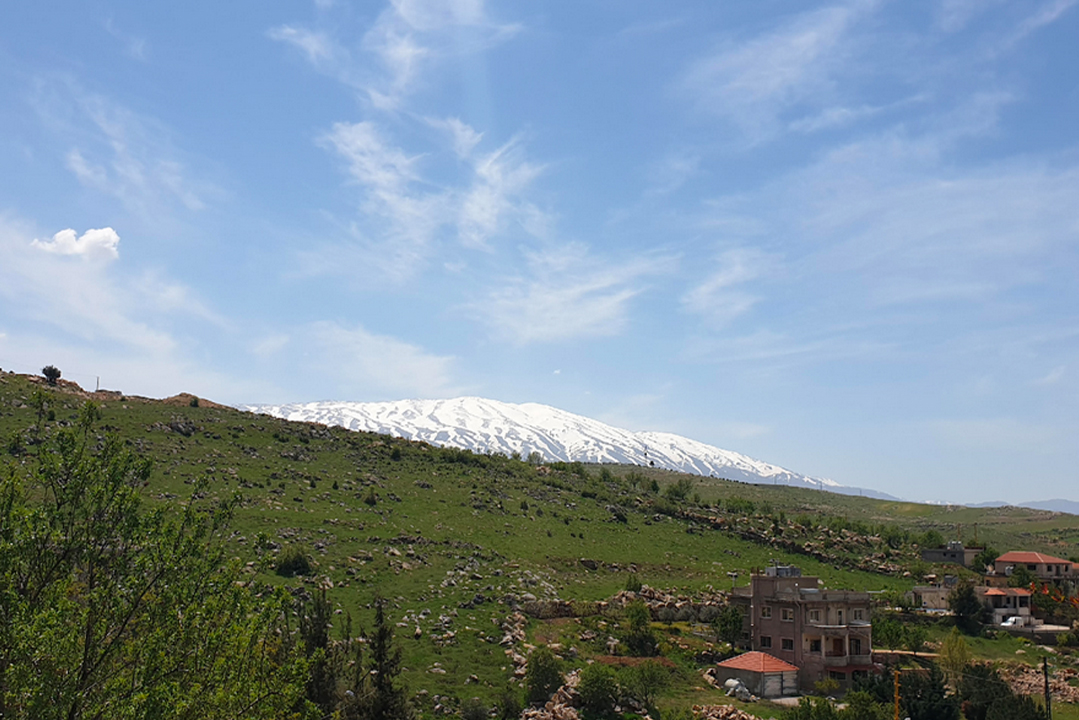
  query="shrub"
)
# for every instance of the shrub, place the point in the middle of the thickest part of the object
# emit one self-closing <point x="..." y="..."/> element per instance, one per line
<point x="644" y="682"/>
<point x="509" y="705"/>
<point x="633" y="583"/>
<point x="639" y="637"/>
<point x="473" y="709"/>
<point x="293" y="563"/>
<point x="543" y="675"/>
<point x="51" y="374"/>
<point x="599" y="691"/>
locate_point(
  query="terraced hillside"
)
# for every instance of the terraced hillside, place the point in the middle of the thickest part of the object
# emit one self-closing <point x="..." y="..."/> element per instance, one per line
<point x="459" y="540"/>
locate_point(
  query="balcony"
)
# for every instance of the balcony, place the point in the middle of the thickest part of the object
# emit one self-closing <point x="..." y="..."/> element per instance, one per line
<point x="831" y="660"/>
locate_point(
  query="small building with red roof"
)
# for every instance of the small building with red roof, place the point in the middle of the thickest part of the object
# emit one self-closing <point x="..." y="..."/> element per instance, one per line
<point x="761" y="673"/>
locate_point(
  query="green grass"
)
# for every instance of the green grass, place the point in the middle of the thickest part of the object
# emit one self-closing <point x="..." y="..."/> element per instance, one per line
<point x="449" y="526"/>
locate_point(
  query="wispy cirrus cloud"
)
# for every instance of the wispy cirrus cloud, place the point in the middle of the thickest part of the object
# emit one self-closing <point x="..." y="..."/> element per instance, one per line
<point x="722" y="296"/>
<point x="409" y="216"/>
<point x="753" y="83"/>
<point x="568" y="294"/>
<point x="117" y="152"/>
<point x="408" y="38"/>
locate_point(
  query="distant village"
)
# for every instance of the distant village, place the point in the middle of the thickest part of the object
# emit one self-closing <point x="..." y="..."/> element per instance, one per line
<point x="800" y="634"/>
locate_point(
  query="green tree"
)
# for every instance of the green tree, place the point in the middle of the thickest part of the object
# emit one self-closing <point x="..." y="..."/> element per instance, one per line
<point x="915" y="637"/>
<point x="966" y="608"/>
<point x="888" y="632"/>
<point x="639" y="637"/>
<point x="543" y="675"/>
<point x="811" y="708"/>
<point x="645" y="681"/>
<point x="922" y="695"/>
<point x="986" y="696"/>
<point x="954" y="656"/>
<point x="51" y="374"/>
<point x="985" y="558"/>
<point x="1021" y="577"/>
<point x="931" y="539"/>
<point x="599" y="691"/>
<point x="861" y="705"/>
<point x="387" y="698"/>
<point x="728" y="624"/>
<point x="110" y="609"/>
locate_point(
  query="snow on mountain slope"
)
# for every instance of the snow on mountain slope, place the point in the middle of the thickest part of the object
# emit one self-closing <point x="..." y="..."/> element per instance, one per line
<point x="491" y="426"/>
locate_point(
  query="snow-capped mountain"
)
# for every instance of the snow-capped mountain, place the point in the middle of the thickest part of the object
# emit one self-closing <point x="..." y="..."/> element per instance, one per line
<point x="484" y="425"/>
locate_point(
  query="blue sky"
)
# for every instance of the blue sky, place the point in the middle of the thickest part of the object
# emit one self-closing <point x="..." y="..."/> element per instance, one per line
<point x="840" y="237"/>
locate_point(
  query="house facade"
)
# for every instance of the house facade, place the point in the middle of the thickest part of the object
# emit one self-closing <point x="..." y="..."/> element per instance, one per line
<point x="1045" y="567"/>
<point x="1006" y="603"/>
<point x="953" y="552"/>
<point x="824" y="633"/>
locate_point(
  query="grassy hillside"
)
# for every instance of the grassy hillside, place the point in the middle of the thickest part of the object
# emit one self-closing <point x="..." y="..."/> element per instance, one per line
<point x="452" y="537"/>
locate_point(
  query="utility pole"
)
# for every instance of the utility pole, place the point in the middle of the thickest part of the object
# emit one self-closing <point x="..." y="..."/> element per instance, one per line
<point x="895" y="694"/>
<point x="1045" y="674"/>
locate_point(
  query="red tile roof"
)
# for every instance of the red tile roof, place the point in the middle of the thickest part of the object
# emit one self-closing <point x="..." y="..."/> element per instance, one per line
<point x="758" y="662"/>
<point x="1018" y="556"/>
<point x="1006" y="591"/>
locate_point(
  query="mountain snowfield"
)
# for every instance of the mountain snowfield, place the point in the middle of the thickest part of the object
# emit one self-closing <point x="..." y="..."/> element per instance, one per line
<point x="483" y="425"/>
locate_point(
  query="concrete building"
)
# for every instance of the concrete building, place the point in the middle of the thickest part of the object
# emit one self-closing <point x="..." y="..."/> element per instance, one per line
<point x="1006" y="603"/>
<point x="1045" y="567"/>
<point x="953" y="552"/>
<point x="824" y="633"/>
<point x="762" y="674"/>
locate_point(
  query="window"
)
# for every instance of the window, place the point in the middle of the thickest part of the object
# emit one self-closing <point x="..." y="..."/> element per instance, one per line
<point x="766" y="612"/>
<point x="858" y="614"/>
<point x="1032" y="567"/>
<point x="788" y="643"/>
<point x="766" y="641"/>
<point x="814" y="645"/>
<point x="841" y="676"/>
<point x="814" y="616"/>
<point x="787" y="614"/>
<point x="855" y="646"/>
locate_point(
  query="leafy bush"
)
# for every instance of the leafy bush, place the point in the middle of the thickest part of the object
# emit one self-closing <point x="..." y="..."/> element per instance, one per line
<point x="51" y="374"/>
<point x="599" y="691"/>
<point x="639" y="637"/>
<point x="473" y="709"/>
<point x="633" y="583"/>
<point x="293" y="563"/>
<point x="543" y="675"/>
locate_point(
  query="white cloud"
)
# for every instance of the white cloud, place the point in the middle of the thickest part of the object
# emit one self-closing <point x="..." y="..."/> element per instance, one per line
<point x="134" y="46"/>
<point x="1047" y="14"/>
<point x="406" y="216"/>
<point x="465" y="138"/>
<point x="370" y="364"/>
<point x="717" y="298"/>
<point x="117" y="152"/>
<point x="52" y="284"/>
<point x="407" y="38"/>
<point x="755" y="82"/>
<point x="317" y="47"/>
<point x="569" y="295"/>
<point x="98" y="244"/>
<point x="500" y="179"/>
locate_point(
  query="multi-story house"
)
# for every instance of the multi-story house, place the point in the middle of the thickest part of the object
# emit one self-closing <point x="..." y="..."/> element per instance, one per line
<point x="953" y="552"/>
<point x="824" y="633"/>
<point x="1044" y="567"/>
